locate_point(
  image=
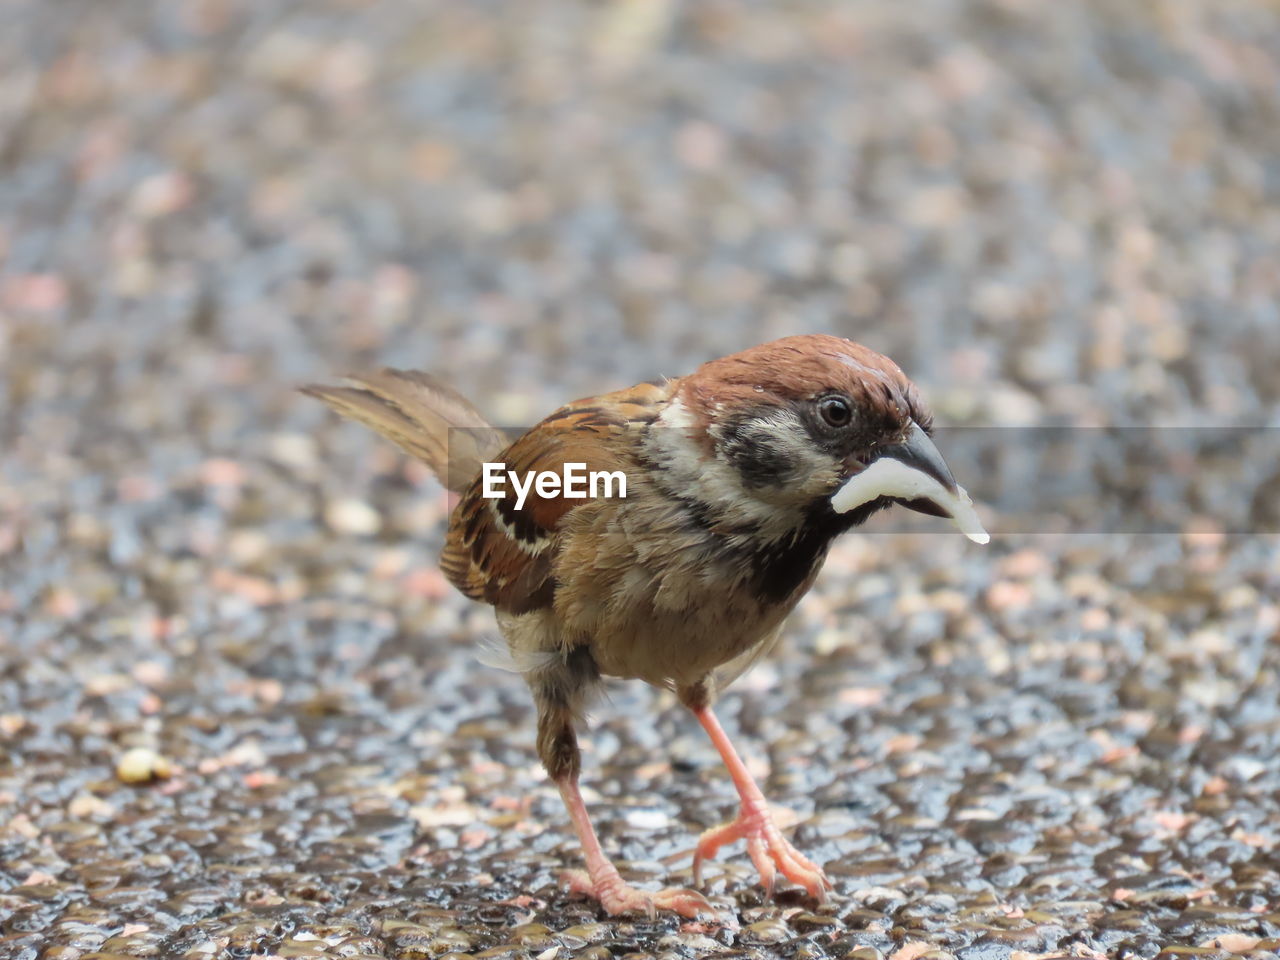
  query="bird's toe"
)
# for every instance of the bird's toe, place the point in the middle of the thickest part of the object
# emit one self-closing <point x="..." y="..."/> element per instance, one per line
<point x="618" y="898"/>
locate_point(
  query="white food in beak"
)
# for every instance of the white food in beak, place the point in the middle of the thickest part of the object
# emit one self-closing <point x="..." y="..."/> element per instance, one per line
<point x="887" y="477"/>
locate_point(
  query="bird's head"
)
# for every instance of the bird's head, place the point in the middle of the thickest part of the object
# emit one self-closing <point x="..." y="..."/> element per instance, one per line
<point x="813" y="428"/>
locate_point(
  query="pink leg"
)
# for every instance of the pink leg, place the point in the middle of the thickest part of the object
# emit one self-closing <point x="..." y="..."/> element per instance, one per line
<point x="601" y="880"/>
<point x="770" y="851"/>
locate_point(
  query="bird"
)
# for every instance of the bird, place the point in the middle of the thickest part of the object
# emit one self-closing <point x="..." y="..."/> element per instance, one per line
<point x="729" y="485"/>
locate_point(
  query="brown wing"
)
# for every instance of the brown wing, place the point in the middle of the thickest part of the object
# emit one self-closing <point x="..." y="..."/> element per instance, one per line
<point x="506" y="556"/>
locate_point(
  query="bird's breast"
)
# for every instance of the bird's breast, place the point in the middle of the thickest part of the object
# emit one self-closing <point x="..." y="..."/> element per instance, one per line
<point x="661" y="594"/>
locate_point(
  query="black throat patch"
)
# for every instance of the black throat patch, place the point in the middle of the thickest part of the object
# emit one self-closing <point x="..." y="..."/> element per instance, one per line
<point x="781" y="568"/>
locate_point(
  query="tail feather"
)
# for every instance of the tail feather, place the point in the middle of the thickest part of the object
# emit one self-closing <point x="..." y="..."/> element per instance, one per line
<point x="425" y="418"/>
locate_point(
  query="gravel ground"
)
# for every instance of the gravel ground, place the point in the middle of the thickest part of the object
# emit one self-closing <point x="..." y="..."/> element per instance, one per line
<point x="239" y="706"/>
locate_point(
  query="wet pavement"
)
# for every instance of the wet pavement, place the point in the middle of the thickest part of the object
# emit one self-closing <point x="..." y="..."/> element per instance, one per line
<point x="239" y="706"/>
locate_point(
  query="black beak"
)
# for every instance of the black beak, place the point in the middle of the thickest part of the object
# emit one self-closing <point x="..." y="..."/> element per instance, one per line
<point x="918" y="452"/>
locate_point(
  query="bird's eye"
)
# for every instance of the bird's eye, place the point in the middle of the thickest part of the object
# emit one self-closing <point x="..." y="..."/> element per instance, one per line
<point x="836" y="411"/>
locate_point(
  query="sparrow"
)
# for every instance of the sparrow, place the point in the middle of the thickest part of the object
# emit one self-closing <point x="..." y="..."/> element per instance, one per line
<point x="728" y="487"/>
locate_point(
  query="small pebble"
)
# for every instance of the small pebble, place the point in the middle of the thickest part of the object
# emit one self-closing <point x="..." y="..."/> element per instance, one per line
<point x="142" y="765"/>
<point x="352" y="517"/>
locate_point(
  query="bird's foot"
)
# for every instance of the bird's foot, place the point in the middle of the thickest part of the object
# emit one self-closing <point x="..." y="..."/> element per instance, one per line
<point x="617" y="896"/>
<point x="770" y="851"/>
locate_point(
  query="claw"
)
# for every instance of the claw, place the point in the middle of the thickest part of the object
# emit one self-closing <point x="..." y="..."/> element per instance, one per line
<point x="617" y="897"/>
<point x="601" y="880"/>
<point x="770" y="851"/>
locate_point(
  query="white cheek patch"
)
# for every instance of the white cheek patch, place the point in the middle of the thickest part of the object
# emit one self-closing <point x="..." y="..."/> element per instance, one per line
<point x="892" y="478"/>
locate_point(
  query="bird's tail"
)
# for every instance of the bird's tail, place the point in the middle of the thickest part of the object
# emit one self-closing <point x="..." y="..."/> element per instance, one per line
<point x="425" y="418"/>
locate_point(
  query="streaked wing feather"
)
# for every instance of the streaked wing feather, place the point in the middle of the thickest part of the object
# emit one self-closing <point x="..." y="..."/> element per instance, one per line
<point x="506" y="556"/>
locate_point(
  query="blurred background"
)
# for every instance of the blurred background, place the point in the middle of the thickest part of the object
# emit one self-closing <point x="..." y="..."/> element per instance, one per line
<point x="239" y="707"/>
